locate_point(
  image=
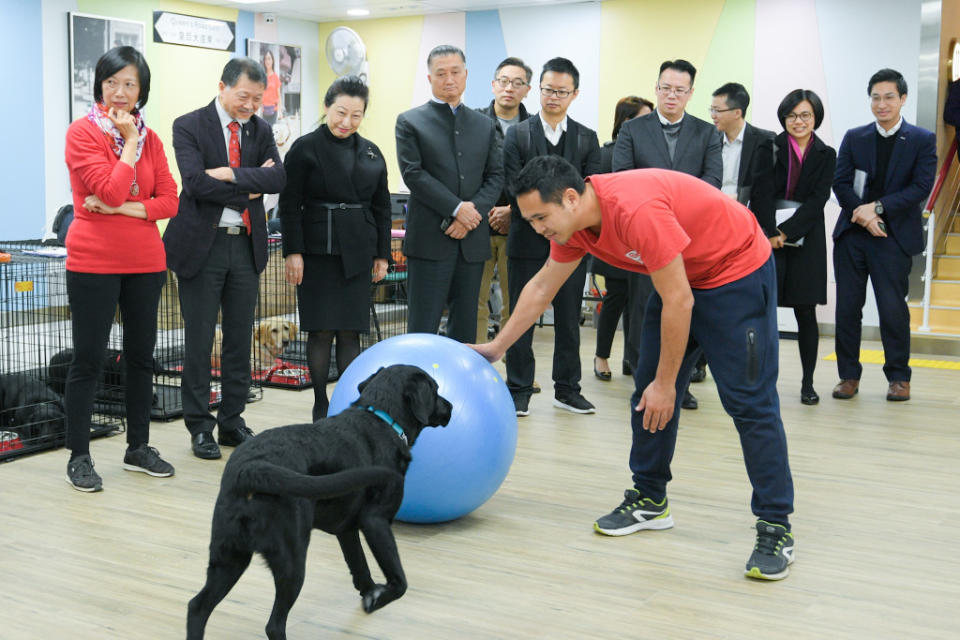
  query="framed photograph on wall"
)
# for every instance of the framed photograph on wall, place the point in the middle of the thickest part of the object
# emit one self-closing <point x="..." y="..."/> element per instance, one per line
<point x="91" y="37"/>
<point x="281" y="100"/>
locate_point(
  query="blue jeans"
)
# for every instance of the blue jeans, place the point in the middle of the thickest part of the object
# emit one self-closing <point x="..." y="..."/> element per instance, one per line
<point x="736" y="327"/>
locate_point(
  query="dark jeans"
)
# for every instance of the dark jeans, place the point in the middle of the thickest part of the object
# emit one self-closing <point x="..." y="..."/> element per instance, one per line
<point x="228" y="282"/>
<point x="639" y="288"/>
<point x="433" y="284"/>
<point x="521" y="365"/>
<point x="93" y="301"/>
<point x="614" y="305"/>
<point x="736" y="326"/>
<point x="857" y="255"/>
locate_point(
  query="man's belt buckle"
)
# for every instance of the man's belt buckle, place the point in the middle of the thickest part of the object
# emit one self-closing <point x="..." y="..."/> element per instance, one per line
<point x="234" y="231"/>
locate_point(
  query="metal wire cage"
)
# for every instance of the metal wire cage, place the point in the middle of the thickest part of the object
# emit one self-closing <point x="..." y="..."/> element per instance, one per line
<point x="35" y="352"/>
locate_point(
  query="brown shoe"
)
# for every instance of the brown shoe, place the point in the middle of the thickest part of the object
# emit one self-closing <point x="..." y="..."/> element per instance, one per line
<point x="846" y="389"/>
<point x="898" y="391"/>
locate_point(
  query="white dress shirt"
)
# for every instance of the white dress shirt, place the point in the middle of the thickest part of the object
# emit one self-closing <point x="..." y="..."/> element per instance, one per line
<point x="229" y="217"/>
<point x="886" y="134"/>
<point x="732" y="152"/>
<point x="553" y="135"/>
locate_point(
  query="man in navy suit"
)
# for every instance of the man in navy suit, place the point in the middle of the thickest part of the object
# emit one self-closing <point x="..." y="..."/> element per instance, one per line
<point x="885" y="171"/>
<point x="227" y="159"/>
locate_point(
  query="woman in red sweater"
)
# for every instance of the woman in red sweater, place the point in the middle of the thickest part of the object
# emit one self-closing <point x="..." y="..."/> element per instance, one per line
<point x="121" y="186"/>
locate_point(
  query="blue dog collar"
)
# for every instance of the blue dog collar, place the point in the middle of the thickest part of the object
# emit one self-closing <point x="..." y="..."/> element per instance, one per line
<point x="383" y="415"/>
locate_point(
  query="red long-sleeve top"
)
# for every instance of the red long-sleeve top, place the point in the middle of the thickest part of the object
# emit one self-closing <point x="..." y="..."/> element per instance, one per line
<point x="114" y="243"/>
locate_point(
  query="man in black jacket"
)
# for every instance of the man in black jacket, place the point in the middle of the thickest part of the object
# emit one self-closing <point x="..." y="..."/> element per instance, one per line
<point x="550" y="132"/>
<point x="668" y="138"/>
<point x="450" y="159"/>
<point x="217" y="245"/>
<point x="739" y="140"/>
<point x="511" y="83"/>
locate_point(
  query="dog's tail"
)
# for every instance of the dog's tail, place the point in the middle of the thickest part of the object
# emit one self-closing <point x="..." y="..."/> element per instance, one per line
<point x="265" y="477"/>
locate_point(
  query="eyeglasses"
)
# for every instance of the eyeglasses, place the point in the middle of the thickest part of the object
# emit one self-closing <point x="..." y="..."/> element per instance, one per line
<point x="714" y="111"/>
<point x="806" y="116"/>
<point x="546" y="92"/>
<point x="677" y="91"/>
<point x="504" y="82"/>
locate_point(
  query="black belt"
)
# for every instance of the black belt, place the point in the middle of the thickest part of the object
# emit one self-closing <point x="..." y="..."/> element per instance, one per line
<point x="233" y="231"/>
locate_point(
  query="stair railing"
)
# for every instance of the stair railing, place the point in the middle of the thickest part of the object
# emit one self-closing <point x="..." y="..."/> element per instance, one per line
<point x="933" y="233"/>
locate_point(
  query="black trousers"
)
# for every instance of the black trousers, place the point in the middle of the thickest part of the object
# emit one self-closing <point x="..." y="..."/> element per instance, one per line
<point x="521" y="365"/>
<point x="93" y="301"/>
<point x="856" y="256"/>
<point x="434" y="284"/>
<point x="228" y="282"/>
<point x="614" y="305"/>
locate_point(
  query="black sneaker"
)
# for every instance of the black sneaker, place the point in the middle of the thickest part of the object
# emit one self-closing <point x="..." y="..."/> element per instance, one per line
<point x="773" y="553"/>
<point x="147" y="460"/>
<point x="699" y="374"/>
<point x="522" y="404"/>
<point x="81" y="476"/>
<point x="574" y="402"/>
<point x="634" y="514"/>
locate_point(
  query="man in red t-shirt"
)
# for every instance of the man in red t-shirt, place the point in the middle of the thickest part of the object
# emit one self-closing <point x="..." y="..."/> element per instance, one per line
<point x="715" y="280"/>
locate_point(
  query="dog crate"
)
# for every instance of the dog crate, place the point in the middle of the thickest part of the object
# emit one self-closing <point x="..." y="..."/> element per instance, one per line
<point x="35" y="351"/>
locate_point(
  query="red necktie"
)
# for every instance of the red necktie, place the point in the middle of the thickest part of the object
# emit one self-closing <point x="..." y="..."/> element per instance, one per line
<point x="235" y="162"/>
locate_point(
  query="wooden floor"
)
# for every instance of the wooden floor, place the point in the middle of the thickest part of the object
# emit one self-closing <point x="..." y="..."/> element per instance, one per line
<point x="876" y="522"/>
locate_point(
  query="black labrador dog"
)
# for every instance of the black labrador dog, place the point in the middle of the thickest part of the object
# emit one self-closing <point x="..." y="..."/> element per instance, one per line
<point x="341" y="475"/>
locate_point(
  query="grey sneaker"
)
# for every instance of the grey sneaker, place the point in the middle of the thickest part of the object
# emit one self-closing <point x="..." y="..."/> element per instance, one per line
<point x="81" y="476"/>
<point x="147" y="460"/>
<point x="773" y="553"/>
<point x="635" y="513"/>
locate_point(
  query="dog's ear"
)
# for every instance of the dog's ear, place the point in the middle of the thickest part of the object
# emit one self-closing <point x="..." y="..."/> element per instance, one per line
<point x="420" y="393"/>
<point x="362" y="385"/>
<point x="293" y="330"/>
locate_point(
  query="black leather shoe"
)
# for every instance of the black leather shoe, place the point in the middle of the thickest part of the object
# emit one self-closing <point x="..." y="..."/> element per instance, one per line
<point x="627" y="369"/>
<point x="205" y="447"/>
<point x="699" y="374"/>
<point x="235" y="437"/>
<point x="809" y="396"/>
<point x="689" y="402"/>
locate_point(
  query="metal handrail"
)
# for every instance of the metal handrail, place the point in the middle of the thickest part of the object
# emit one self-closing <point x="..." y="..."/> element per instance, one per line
<point x="931" y="218"/>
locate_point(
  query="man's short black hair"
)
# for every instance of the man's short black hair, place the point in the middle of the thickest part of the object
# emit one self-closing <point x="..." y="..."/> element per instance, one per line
<point x="681" y="66"/>
<point x="736" y="96"/>
<point x="445" y="50"/>
<point x="562" y="65"/>
<point x="514" y="62"/>
<point x="116" y="59"/>
<point x="794" y="98"/>
<point x="549" y="175"/>
<point x="888" y="75"/>
<point x="243" y="67"/>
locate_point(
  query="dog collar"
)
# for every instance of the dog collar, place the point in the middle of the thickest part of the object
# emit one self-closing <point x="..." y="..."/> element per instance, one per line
<point x="383" y="415"/>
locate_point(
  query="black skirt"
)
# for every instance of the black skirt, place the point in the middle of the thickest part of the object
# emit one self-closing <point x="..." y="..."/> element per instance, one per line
<point x="330" y="302"/>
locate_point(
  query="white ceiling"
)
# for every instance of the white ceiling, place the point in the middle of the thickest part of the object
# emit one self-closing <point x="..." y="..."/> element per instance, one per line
<point x="336" y="10"/>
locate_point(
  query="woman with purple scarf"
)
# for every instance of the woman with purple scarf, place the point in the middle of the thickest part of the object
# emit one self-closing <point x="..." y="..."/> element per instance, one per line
<point x="788" y="201"/>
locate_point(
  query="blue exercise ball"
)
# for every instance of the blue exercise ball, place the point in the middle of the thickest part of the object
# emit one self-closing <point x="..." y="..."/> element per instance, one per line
<point x="456" y="468"/>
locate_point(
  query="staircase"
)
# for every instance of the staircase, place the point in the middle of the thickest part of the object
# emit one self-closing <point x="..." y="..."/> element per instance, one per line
<point x="944" y="288"/>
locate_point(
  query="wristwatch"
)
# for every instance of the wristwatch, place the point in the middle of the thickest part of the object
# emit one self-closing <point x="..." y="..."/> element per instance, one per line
<point x="447" y="222"/>
<point x="878" y="208"/>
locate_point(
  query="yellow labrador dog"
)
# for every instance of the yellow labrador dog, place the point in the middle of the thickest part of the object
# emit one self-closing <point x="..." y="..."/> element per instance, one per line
<point x="270" y="338"/>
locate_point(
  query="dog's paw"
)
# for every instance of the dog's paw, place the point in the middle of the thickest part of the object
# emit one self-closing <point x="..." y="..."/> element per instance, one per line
<point x="373" y="599"/>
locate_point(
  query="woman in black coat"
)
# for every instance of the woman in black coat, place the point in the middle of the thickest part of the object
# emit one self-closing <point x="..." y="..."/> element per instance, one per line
<point x="788" y="202"/>
<point x="615" y="301"/>
<point x="335" y="218"/>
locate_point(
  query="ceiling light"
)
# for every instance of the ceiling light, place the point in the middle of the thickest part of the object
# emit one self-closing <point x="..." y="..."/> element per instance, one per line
<point x="358" y="12"/>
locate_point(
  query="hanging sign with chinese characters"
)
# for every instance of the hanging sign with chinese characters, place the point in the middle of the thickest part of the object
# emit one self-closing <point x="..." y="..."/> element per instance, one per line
<point x="193" y="31"/>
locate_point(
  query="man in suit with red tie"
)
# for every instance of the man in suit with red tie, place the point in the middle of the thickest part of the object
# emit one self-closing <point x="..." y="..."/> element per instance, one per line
<point x="885" y="171"/>
<point x="227" y="159"/>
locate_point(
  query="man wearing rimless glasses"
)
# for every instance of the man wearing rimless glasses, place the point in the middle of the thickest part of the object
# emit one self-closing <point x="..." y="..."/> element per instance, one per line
<point x="668" y="138"/>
